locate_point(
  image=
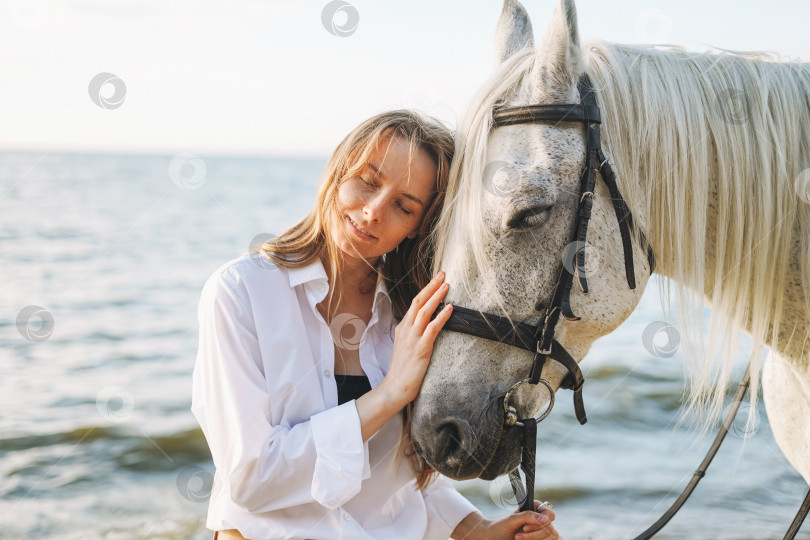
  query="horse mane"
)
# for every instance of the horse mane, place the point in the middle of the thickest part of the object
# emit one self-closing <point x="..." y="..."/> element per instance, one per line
<point x="675" y="124"/>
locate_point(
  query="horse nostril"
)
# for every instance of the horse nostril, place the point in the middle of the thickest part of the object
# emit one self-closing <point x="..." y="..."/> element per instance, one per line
<point x="453" y="439"/>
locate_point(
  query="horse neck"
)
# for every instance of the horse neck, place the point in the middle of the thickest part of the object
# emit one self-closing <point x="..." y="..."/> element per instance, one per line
<point x="715" y="192"/>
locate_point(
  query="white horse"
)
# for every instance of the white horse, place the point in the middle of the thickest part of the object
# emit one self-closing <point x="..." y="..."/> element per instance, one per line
<point x="712" y="155"/>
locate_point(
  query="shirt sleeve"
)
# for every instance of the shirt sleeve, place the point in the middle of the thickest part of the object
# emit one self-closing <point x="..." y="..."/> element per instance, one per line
<point x="446" y="508"/>
<point x="265" y="467"/>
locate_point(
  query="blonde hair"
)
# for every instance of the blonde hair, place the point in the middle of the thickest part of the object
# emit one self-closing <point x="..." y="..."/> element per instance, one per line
<point x="405" y="269"/>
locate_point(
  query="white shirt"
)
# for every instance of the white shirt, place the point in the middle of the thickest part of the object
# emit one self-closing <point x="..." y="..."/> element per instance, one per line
<point x="290" y="462"/>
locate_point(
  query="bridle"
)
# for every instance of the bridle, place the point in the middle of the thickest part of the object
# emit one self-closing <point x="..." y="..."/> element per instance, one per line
<point x="539" y="338"/>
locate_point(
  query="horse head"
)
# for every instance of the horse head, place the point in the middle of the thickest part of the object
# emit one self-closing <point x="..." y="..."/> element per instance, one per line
<point x="503" y="239"/>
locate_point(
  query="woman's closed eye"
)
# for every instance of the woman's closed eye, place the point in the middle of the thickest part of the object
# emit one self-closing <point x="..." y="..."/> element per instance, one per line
<point x="372" y="185"/>
<point x="366" y="182"/>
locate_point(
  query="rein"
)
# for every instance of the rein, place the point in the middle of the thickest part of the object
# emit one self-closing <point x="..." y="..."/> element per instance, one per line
<point x="539" y="338"/>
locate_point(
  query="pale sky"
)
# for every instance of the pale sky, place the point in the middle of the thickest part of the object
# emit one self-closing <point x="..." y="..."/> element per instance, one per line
<point x="265" y="77"/>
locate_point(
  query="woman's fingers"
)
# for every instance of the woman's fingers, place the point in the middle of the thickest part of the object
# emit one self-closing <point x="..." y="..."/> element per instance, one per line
<point x="545" y="509"/>
<point x="548" y="533"/>
<point x="539" y="526"/>
<point x="433" y="328"/>
<point x="426" y="311"/>
<point x="527" y="518"/>
<point x="424" y="295"/>
<point x="525" y="525"/>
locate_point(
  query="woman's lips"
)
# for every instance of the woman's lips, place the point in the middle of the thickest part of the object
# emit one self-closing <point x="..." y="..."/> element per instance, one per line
<point x="357" y="231"/>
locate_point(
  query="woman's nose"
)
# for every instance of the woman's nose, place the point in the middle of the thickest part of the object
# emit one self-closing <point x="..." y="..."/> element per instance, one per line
<point x="374" y="209"/>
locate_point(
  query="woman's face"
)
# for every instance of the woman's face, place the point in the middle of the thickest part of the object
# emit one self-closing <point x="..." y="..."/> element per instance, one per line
<point x="385" y="203"/>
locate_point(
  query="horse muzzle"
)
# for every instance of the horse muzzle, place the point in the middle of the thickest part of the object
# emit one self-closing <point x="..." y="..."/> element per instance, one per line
<point x="465" y="445"/>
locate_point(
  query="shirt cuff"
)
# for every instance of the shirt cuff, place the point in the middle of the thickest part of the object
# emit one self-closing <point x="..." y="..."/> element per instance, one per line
<point x="341" y="460"/>
<point x="446" y="508"/>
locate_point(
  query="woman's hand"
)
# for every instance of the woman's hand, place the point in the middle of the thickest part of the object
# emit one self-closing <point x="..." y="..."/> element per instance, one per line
<point x="413" y="342"/>
<point x="527" y="525"/>
<point x="413" y="345"/>
<point x="518" y="526"/>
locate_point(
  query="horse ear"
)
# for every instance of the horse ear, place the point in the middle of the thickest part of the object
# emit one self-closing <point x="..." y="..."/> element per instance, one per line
<point x="559" y="59"/>
<point x="514" y="31"/>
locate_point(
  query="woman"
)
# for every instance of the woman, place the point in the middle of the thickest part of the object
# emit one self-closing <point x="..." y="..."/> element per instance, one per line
<point x="299" y="380"/>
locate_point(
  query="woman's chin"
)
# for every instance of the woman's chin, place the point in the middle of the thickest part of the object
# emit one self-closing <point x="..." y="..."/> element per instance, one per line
<point x="350" y="249"/>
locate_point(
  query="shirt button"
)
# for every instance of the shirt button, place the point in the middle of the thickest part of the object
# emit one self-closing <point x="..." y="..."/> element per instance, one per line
<point x="326" y="373"/>
<point x="347" y="517"/>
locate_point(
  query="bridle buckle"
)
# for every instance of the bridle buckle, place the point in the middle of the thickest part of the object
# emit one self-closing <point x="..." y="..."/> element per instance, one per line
<point x="545" y="352"/>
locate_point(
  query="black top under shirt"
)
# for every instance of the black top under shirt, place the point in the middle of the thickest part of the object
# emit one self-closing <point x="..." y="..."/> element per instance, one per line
<point x="351" y="387"/>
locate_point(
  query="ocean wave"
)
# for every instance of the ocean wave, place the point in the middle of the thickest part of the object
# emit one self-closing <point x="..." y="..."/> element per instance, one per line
<point x="130" y="449"/>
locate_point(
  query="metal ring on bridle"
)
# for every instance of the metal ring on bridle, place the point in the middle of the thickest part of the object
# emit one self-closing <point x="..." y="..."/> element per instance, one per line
<point x="511" y="412"/>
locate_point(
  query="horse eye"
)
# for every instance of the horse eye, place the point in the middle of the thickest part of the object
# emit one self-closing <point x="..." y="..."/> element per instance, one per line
<point x="529" y="217"/>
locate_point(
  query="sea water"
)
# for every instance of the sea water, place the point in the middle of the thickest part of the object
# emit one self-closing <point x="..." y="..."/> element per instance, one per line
<point x="110" y="252"/>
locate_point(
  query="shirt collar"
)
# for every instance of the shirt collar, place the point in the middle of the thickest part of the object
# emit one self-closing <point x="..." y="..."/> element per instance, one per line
<point x="311" y="272"/>
<point x="315" y="274"/>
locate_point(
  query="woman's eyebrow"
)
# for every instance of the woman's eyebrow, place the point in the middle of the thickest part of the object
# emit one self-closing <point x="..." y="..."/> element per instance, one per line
<point x="414" y="198"/>
<point x="378" y="172"/>
<point x="376" y="169"/>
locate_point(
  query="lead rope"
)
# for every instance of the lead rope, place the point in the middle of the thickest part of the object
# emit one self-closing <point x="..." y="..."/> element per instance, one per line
<point x="525" y="497"/>
<point x="742" y="389"/>
<point x="799" y="519"/>
<point x="701" y="472"/>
